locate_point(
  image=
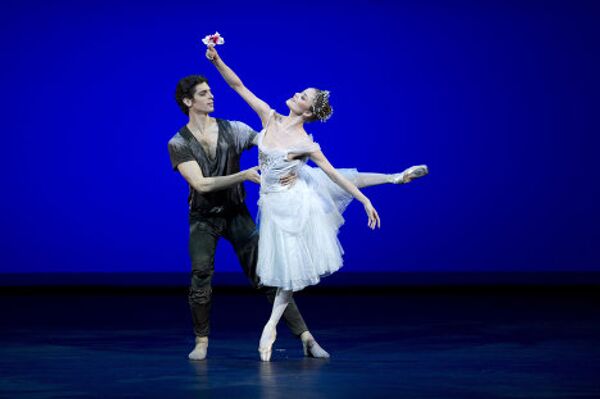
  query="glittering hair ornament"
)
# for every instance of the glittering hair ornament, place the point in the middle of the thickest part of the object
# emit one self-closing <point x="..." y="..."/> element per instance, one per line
<point x="321" y="108"/>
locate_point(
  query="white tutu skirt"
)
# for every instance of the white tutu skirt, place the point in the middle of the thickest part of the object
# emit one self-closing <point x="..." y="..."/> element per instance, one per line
<point x="298" y="227"/>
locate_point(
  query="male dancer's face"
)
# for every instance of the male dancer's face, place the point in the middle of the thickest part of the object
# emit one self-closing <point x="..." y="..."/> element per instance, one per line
<point x="203" y="101"/>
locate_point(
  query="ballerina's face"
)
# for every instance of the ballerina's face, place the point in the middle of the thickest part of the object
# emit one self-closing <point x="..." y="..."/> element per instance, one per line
<point x="301" y="102"/>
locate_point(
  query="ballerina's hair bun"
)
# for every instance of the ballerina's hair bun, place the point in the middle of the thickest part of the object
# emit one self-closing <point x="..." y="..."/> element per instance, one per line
<point x="321" y="108"/>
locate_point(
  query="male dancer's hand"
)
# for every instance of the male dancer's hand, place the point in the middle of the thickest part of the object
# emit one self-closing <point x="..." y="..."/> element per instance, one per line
<point x="252" y="175"/>
<point x="288" y="180"/>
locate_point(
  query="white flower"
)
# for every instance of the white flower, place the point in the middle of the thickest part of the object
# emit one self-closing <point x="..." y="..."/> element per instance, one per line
<point x="213" y="39"/>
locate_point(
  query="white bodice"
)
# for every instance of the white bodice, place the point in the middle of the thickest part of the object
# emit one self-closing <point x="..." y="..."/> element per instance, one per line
<point x="275" y="164"/>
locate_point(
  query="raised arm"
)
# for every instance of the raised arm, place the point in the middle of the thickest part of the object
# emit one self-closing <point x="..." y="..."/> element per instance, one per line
<point x="319" y="158"/>
<point x="258" y="105"/>
<point x="192" y="173"/>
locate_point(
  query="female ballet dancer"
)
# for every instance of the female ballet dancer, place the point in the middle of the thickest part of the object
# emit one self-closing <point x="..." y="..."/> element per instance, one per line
<point x="298" y="223"/>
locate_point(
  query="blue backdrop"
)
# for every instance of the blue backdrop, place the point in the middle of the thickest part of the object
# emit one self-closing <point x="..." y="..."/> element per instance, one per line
<point x="500" y="100"/>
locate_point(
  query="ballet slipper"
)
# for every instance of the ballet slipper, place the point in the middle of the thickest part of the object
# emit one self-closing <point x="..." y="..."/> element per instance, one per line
<point x="409" y="174"/>
<point x="265" y="345"/>
<point x="311" y="348"/>
<point x="199" y="352"/>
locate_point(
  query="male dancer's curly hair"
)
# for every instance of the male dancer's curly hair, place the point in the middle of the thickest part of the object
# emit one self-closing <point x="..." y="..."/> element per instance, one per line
<point x="185" y="89"/>
<point x="320" y="108"/>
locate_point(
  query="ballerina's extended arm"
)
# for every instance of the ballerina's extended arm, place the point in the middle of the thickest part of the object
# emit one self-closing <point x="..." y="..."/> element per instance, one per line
<point x="319" y="158"/>
<point x="258" y="105"/>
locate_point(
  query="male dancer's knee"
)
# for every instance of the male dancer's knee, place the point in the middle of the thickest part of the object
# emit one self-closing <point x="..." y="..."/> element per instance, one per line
<point x="200" y="289"/>
<point x="247" y="253"/>
<point x="270" y="293"/>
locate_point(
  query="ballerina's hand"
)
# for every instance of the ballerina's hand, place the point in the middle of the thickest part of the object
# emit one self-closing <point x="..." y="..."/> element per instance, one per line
<point x="374" y="220"/>
<point x="211" y="53"/>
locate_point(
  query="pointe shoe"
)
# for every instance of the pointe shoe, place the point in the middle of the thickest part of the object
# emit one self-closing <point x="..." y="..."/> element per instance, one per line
<point x="265" y="345"/>
<point x="199" y="352"/>
<point x="410" y="174"/>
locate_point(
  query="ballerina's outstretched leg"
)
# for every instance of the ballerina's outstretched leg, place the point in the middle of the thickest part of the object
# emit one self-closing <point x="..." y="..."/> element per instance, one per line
<point x="375" y="179"/>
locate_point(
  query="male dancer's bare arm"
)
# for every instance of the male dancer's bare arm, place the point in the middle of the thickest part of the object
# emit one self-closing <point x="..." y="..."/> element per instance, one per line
<point x="192" y="173"/>
<point x="319" y="158"/>
<point x="258" y="105"/>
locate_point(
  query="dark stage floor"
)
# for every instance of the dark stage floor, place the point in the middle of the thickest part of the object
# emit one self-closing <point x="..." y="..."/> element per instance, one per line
<point x="396" y="343"/>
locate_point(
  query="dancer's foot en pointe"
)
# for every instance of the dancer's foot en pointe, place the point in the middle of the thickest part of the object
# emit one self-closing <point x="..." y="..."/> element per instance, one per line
<point x="311" y="347"/>
<point x="267" y="339"/>
<point x="282" y="299"/>
<point x="375" y="179"/>
<point x="199" y="352"/>
<point x="409" y="174"/>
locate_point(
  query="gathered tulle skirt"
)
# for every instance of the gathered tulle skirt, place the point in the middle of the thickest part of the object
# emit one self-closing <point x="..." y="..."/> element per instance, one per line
<point x="299" y="227"/>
